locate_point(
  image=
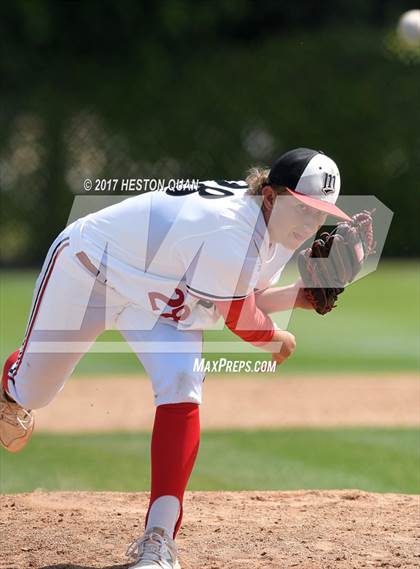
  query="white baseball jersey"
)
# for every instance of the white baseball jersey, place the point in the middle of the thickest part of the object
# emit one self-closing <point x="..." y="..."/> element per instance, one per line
<point x="167" y="250"/>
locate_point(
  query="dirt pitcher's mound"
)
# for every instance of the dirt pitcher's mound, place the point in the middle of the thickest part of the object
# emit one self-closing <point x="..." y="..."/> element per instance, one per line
<point x="222" y="530"/>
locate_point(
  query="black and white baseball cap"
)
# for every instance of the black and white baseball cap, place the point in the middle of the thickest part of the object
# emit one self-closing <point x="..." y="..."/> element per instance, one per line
<point x="311" y="177"/>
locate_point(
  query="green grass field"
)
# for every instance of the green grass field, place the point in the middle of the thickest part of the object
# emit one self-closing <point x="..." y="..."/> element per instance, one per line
<point x="374" y="329"/>
<point x="381" y="460"/>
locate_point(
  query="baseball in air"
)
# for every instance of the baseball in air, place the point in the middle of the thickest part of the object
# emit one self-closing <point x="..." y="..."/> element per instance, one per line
<point x="409" y="28"/>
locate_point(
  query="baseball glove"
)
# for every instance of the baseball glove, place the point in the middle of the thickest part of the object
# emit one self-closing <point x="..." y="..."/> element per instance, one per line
<point x="335" y="259"/>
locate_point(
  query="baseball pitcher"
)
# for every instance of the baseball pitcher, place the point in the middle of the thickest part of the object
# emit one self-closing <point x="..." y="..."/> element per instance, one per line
<point x="163" y="266"/>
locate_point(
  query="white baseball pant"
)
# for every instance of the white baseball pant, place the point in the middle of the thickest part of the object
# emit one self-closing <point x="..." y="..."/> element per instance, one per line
<point x="71" y="307"/>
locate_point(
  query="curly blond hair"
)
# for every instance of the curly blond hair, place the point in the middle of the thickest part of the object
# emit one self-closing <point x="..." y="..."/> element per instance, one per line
<point x="257" y="178"/>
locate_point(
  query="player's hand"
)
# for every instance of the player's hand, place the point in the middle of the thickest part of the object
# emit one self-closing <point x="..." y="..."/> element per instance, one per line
<point x="301" y="300"/>
<point x="288" y="345"/>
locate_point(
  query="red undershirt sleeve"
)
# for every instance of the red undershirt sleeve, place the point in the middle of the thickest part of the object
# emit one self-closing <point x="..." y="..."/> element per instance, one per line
<point x="246" y="320"/>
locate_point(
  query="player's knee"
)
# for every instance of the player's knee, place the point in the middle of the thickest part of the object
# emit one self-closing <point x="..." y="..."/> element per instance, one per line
<point x="184" y="388"/>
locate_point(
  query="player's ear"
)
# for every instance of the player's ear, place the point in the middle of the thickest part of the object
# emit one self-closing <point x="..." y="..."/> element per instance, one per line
<point x="269" y="197"/>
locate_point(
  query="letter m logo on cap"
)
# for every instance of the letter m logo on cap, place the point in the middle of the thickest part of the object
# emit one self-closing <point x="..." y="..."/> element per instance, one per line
<point x="329" y="183"/>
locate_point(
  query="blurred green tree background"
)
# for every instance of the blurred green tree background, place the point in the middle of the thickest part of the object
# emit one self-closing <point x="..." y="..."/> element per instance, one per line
<point x="195" y="89"/>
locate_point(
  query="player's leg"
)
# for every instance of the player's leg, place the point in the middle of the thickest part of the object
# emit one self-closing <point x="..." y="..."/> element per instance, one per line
<point x="69" y="310"/>
<point x="168" y="356"/>
<point x="174" y="448"/>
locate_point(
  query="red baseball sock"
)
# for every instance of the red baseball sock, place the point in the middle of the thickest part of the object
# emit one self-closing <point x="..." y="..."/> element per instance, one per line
<point x="175" y="443"/>
<point x="7" y="365"/>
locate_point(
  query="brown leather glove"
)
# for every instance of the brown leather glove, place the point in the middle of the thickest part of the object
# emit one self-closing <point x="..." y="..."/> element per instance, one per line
<point x="335" y="259"/>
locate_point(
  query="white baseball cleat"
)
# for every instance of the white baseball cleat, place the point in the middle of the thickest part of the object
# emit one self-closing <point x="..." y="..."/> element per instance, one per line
<point x="154" y="550"/>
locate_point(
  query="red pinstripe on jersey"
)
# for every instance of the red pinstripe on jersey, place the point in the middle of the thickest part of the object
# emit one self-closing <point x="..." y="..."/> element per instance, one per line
<point x="37" y="303"/>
